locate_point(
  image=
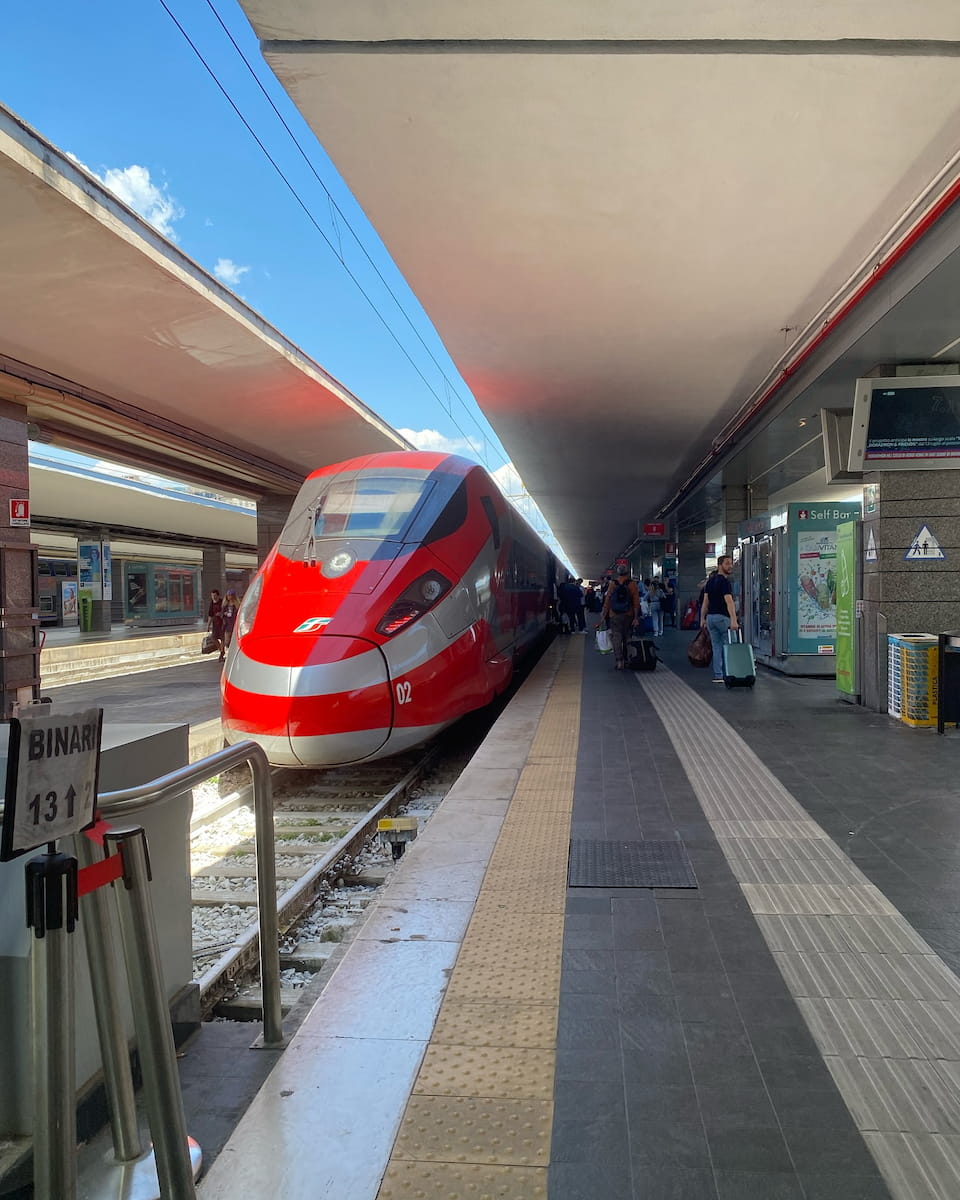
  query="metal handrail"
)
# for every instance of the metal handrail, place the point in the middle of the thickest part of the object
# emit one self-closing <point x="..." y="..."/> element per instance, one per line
<point x="128" y="801"/>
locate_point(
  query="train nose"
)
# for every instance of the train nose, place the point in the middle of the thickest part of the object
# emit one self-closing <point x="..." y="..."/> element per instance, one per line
<point x="336" y="707"/>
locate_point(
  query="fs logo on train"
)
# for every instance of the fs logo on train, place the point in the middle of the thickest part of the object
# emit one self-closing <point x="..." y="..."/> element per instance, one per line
<point x="53" y="761"/>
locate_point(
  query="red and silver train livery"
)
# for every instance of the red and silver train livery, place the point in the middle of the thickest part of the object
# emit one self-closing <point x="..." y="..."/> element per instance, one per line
<point x="398" y="597"/>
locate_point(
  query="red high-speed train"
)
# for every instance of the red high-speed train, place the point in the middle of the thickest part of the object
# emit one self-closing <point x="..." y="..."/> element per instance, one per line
<point x="400" y="595"/>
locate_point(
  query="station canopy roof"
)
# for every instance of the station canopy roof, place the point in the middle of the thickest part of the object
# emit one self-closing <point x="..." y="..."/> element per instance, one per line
<point x="119" y="345"/>
<point x="625" y="219"/>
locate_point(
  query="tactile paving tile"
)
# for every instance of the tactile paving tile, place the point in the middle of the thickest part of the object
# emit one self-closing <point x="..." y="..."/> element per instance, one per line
<point x="511" y="1073"/>
<point x="407" y="1180"/>
<point x="458" y="1129"/>
<point x="496" y="1023"/>
<point x="629" y="864"/>
<point x="516" y="983"/>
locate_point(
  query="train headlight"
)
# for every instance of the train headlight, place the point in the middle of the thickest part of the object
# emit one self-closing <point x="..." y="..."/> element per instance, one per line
<point x="339" y="563"/>
<point x="431" y="589"/>
<point x="249" y="606"/>
<point x="415" y="600"/>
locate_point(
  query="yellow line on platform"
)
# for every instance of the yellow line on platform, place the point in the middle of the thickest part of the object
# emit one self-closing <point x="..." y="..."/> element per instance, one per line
<point x="479" y="1120"/>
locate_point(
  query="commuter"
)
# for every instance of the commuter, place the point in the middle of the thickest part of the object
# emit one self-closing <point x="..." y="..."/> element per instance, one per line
<point x="621" y="611"/>
<point x="569" y="602"/>
<point x="228" y="616"/>
<point x="655" y="607"/>
<point x="591" y="600"/>
<point x="581" y="613"/>
<point x="668" y="602"/>
<point x="717" y="611"/>
<point x="215" y="618"/>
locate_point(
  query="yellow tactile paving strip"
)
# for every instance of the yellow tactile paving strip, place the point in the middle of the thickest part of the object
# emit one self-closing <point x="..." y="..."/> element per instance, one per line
<point x="478" y="1122"/>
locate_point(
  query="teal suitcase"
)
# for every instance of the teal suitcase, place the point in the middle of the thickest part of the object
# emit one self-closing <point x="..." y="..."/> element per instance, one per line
<point x="739" y="668"/>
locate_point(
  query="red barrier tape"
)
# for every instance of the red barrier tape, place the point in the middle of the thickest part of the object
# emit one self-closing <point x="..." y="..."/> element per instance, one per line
<point x="92" y="877"/>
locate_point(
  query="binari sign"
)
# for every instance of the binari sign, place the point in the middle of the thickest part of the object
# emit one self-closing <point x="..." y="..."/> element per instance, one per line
<point x="53" y="761"/>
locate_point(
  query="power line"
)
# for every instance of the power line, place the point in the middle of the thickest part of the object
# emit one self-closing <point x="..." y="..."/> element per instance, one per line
<point x="337" y="251"/>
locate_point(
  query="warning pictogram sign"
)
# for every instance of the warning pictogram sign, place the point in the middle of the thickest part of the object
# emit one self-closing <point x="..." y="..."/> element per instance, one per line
<point x="870" y="553"/>
<point x="925" y="548"/>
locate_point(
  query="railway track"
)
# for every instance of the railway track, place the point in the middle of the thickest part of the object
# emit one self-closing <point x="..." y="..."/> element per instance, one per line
<point x="329" y="864"/>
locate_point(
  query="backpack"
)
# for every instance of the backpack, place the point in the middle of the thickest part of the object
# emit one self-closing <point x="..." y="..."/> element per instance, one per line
<point x="620" y="600"/>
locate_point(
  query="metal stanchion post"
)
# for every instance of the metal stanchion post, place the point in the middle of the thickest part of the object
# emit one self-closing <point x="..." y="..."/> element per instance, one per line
<point x="267" y="905"/>
<point x="176" y="1165"/>
<point x="51" y="914"/>
<point x="105" y="983"/>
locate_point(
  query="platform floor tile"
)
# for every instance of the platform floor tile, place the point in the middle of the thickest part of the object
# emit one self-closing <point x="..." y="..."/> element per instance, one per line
<point x="479" y="1120"/>
<point x="457" y="1181"/>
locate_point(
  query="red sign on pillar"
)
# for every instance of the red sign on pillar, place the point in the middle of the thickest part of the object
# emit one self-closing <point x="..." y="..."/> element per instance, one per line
<point x="19" y="512"/>
<point x="711" y="547"/>
<point x="657" y="529"/>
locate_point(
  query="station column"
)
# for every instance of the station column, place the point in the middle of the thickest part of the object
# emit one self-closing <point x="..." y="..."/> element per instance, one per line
<point x="19" y="587"/>
<point x="213" y="574"/>
<point x="691" y="555"/>
<point x="740" y="502"/>
<point x="272" y="512"/>
<point x="911" y="567"/>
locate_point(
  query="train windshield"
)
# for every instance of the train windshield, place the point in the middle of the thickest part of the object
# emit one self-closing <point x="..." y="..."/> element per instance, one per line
<point x="372" y="504"/>
<point x="367" y="505"/>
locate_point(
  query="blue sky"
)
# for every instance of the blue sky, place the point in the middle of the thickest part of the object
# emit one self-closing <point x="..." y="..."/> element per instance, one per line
<point x="117" y="85"/>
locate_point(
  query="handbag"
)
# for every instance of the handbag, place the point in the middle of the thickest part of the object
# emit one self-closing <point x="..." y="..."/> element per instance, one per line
<point x="209" y="644"/>
<point x="604" y="644"/>
<point x="700" y="650"/>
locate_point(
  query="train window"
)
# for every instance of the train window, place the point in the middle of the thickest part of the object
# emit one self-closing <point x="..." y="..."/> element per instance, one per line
<point x="63" y="568"/>
<point x="44" y="566"/>
<point x="493" y="519"/>
<point x="367" y="505"/>
<point x="451" y="516"/>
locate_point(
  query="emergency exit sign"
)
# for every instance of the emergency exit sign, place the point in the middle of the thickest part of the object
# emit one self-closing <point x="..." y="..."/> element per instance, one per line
<point x="19" y="512"/>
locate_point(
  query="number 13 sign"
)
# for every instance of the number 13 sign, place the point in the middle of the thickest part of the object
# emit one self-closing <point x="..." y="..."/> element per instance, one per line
<point x="52" y="765"/>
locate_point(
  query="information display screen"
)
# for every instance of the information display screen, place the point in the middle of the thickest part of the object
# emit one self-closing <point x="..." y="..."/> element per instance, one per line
<point x="906" y="424"/>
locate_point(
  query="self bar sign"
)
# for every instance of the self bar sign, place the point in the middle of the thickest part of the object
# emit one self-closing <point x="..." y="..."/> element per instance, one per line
<point x="53" y="761"/>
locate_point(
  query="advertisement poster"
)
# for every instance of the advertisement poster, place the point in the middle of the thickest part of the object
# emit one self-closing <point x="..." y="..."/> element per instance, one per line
<point x="846" y="608"/>
<point x="812" y="530"/>
<point x="106" y="563"/>
<point x="69" y="603"/>
<point x="90" y="571"/>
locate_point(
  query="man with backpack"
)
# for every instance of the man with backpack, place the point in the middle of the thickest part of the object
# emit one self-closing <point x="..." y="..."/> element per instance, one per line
<point x="621" y="611"/>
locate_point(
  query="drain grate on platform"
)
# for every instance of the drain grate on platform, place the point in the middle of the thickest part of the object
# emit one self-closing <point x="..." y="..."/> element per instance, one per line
<point x="629" y="864"/>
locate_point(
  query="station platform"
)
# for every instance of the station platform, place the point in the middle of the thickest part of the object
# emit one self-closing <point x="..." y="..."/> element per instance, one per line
<point x="70" y="656"/>
<point x="748" y="990"/>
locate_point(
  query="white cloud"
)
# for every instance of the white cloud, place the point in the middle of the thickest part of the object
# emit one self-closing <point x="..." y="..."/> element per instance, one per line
<point x="134" y="186"/>
<point x="432" y="439"/>
<point x="229" y="272"/>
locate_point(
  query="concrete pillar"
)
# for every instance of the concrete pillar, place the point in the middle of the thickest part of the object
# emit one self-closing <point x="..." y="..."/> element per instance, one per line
<point x="102" y="620"/>
<point x="19" y="587"/>
<point x="213" y="574"/>
<point x="272" y="513"/>
<point x="901" y="595"/>
<point x="741" y="501"/>
<point x="691" y="567"/>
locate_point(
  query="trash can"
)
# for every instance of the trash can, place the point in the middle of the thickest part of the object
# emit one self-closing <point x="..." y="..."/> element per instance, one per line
<point x="913" y="678"/>
<point x="948" y="667"/>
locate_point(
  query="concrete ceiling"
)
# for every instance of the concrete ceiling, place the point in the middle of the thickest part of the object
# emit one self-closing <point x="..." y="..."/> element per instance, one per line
<point x="620" y="216"/>
<point x="118" y="344"/>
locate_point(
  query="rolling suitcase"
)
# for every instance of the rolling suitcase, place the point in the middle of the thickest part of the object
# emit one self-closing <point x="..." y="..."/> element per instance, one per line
<point x="641" y="654"/>
<point x="739" y="669"/>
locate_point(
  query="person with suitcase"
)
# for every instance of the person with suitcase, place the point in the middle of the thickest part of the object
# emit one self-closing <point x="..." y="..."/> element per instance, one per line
<point x="717" y="612"/>
<point x="621" y="612"/>
<point x="739" y="669"/>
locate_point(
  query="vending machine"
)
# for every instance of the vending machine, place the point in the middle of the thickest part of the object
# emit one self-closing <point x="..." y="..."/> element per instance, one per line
<point x="789" y="586"/>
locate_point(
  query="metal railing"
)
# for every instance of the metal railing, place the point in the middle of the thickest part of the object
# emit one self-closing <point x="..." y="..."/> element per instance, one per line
<point x="175" y="1166"/>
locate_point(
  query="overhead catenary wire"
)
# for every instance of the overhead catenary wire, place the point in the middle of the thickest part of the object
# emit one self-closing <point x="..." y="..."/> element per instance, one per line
<point x="335" y="209"/>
